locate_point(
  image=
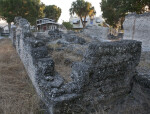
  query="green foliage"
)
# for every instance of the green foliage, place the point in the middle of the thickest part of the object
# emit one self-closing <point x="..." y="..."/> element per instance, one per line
<point x="29" y="9"/>
<point x="115" y="10"/>
<point x="68" y="25"/>
<point x="52" y="12"/>
<point x="99" y="24"/>
<point x="82" y="9"/>
<point x="41" y="10"/>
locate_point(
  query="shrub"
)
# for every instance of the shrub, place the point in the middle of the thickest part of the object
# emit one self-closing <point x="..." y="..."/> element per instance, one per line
<point x="68" y="25"/>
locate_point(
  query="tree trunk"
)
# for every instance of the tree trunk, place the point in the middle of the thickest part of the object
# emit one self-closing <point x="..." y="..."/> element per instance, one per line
<point x="9" y="26"/>
<point x="122" y="20"/>
<point x="84" y="22"/>
<point x="81" y="21"/>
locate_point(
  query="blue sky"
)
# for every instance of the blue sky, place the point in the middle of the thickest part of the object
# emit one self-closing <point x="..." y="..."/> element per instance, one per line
<point x="66" y="4"/>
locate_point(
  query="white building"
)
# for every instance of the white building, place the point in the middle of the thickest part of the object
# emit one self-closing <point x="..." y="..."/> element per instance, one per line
<point x="3" y="23"/>
<point x="77" y="24"/>
<point x="46" y="24"/>
<point x="6" y="29"/>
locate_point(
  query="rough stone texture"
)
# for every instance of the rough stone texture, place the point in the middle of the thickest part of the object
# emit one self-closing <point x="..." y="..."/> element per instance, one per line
<point x="103" y="76"/>
<point x="34" y="56"/>
<point x="141" y="92"/>
<point x="74" y="39"/>
<point x="49" y="35"/>
<point x="144" y="65"/>
<point x="96" y="32"/>
<point x="69" y="42"/>
<point x="137" y="27"/>
<point x="100" y="82"/>
<point x="13" y="35"/>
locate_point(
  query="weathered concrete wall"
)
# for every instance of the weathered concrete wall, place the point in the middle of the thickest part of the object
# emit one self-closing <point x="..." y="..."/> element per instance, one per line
<point x="101" y="78"/>
<point x="97" y="32"/>
<point x="137" y="27"/>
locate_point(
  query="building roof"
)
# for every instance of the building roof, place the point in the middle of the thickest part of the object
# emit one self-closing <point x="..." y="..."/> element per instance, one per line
<point x="99" y="19"/>
<point x="46" y="21"/>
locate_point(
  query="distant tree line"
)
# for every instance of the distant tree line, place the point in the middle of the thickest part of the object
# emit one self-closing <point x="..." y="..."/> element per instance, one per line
<point x="34" y="9"/>
<point x="68" y="25"/>
<point x="29" y="9"/>
<point x="52" y="12"/>
<point x="116" y="10"/>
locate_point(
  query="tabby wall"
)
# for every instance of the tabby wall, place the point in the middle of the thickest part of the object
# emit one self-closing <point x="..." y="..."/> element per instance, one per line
<point x="137" y="27"/>
<point x="96" y="32"/>
<point x="103" y="76"/>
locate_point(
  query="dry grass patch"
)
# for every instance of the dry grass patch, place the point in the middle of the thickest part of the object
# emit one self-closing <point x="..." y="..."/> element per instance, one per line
<point x="144" y="64"/>
<point x="54" y="46"/>
<point x="63" y="61"/>
<point x="17" y="95"/>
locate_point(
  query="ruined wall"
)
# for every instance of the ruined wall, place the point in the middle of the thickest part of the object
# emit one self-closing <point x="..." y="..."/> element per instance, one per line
<point x="137" y="27"/>
<point x="103" y="76"/>
<point x="141" y="93"/>
<point x="96" y="32"/>
<point x="34" y="55"/>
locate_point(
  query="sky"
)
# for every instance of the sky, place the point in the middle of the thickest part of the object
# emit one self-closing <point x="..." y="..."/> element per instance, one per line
<point x="65" y="5"/>
<point x="2" y="23"/>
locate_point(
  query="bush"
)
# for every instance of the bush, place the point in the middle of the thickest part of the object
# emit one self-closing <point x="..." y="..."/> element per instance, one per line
<point x="68" y="25"/>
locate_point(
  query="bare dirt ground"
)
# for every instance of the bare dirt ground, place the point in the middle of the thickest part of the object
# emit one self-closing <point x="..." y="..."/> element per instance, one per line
<point x="17" y="95"/>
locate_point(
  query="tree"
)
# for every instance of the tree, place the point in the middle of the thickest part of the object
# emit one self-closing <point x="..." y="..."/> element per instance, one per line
<point x="52" y="12"/>
<point x="82" y="9"/>
<point x="68" y="25"/>
<point x="109" y="12"/>
<point x="29" y="9"/>
<point x="41" y="10"/>
<point x="115" y="10"/>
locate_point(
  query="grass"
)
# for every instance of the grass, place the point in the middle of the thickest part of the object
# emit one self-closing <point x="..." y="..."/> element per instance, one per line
<point x="59" y="57"/>
<point x="63" y="67"/>
<point x="63" y="60"/>
<point x="17" y="95"/>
